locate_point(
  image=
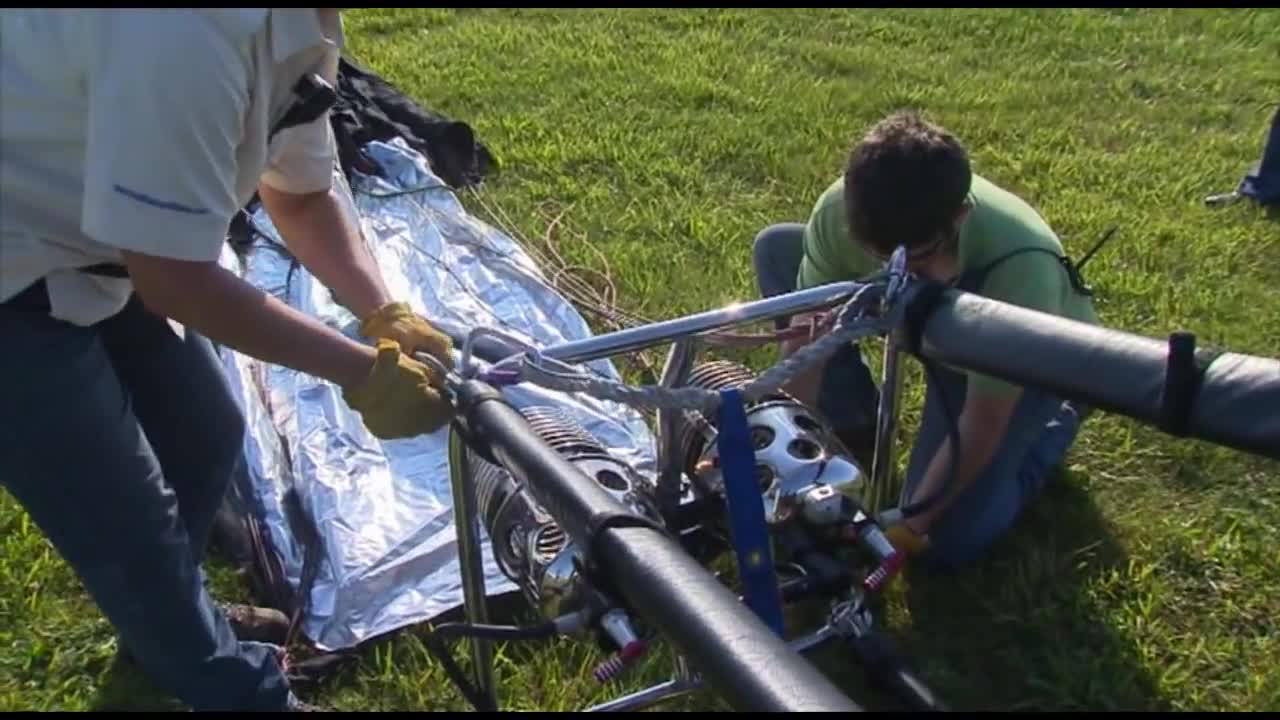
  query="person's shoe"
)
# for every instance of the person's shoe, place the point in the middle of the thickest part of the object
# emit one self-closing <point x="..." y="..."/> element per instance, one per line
<point x="248" y="622"/>
<point x="258" y="624"/>
<point x="296" y="705"/>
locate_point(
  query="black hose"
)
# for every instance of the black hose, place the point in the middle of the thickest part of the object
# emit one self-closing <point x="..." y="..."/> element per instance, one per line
<point x="744" y="660"/>
<point x="888" y="670"/>
<point x="480" y="701"/>
<point x="1224" y="398"/>
<point x="740" y="657"/>
<point x="436" y="638"/>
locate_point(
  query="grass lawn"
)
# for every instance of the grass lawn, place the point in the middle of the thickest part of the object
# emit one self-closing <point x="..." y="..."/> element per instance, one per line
<point x="1148" y="576"/>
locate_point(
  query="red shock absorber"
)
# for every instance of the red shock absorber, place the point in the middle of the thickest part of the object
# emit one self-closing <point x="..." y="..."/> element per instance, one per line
<point x="888" y="568"/>
<point x="891" y="561"/>
<point x="616" y="624"/>
<point x="619" y="661"/>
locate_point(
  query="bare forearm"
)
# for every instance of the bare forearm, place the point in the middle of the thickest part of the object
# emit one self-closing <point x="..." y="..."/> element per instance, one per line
<point x="977" y="447"/>
<point x="328" y="243"/>
<point x="220" y="306"/>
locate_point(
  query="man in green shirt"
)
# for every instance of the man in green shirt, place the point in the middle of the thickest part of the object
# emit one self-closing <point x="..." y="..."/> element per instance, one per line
<point x="909" y="182"/>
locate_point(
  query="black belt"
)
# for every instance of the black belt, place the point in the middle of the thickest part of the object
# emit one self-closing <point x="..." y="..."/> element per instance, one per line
<point x="36" y="295"/>
<point x="106" y="270"/>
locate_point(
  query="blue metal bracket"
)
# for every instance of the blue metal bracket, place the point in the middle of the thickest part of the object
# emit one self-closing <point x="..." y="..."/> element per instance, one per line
<point x="750" y="533"/>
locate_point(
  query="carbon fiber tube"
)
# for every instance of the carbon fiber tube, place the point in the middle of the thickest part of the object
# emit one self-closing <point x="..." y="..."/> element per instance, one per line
<point x="746" y="662"/>
<point x="1235" y="403"/>
<point x="738" y="655"/>
<point x="890" y="672"/>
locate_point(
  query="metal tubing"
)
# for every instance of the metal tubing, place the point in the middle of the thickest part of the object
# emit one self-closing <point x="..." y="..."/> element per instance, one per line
<point x="886" y="423"/>
<point x="682" y="682"/>
<point x="729" y="645"/>
<point x="646" y="336"/>
<point x="822" y="635"/>
<point x="732" y="650"/>
<point x="467" y="521"/>
<point x="675" y="372"/>
<point x="648" y="697"/>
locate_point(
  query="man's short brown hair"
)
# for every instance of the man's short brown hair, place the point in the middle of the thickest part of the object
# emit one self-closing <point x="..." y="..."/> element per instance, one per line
<point x="905" y="184"/>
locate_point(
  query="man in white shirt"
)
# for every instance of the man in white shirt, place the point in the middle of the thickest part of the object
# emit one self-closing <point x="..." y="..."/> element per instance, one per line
<point x="128" y="141"/>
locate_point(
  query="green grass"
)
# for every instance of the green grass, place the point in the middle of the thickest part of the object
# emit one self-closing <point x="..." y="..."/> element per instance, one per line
<point x="1148" y="575"/>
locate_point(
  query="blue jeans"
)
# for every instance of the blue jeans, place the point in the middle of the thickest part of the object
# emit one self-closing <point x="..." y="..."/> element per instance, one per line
<point x="119" y="440"/>
<point x="1041" y="431"/>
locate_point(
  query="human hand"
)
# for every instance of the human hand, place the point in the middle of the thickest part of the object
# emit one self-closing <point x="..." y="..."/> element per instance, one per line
<point x="906" y="540"/>
<point x="399" y="398"/>
<point x="397" y="321"/>
<point x="806" y="328"/>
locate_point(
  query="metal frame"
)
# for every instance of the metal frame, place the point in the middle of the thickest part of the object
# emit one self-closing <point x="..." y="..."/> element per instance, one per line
<point x="682" y="333"/>
<point x="886" y="423"/>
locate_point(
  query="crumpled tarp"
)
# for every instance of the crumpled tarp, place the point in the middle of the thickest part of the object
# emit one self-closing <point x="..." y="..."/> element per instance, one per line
<point x="383" y="510"/>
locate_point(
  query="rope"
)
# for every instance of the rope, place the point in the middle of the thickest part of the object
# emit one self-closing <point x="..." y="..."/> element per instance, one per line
<point x="600" y="298"/>
<point x="852" y="324"/>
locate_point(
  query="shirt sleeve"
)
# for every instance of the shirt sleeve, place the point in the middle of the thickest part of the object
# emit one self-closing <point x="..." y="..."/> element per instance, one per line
<point x="303" y="158"/>
<point x="815" y="266"/>
<point x="167" y="99"/>
<point x="830" y="254"/>
<point x="1033" y="280"/>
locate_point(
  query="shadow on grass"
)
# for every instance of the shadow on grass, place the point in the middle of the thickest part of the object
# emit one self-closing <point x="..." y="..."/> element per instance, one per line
<point x="122" y="687"/>
<point x="1022" y="630"/>
<point x="1019" y="631"/>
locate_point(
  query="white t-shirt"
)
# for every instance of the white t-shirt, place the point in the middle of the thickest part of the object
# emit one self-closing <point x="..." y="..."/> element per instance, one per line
<point x="147" y="130"/>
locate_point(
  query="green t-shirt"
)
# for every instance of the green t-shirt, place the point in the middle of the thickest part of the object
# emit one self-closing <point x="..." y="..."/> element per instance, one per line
<point x="999" y="222"/>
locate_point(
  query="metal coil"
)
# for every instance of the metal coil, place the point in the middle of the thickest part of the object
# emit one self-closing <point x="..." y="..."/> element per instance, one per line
<point x="715" y="375"/>
<point x="560" y="431"/>
<point x="530" y="548"/>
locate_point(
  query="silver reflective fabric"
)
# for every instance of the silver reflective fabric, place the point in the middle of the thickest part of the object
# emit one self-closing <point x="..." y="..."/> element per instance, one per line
<point x="383" y="510"/>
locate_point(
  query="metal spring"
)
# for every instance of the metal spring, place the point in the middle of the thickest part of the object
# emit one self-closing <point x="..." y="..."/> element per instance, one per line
<point x="715" y="375"/>
<point x="613" y="667"/>
<point x="550" y="539"/>
<point x="491" y="483"/>
<point x="555" y="426"/>
<point x="876" y="579"/>
<point x="610" y="669"/>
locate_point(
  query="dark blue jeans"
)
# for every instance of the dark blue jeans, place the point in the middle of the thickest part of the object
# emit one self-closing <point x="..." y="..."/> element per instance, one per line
<point x="1041" y="431"/>
<point x="119" y="441"/>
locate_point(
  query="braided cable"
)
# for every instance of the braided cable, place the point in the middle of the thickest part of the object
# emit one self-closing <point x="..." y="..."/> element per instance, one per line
<point x="552" y="374"/>
<point x="852" y="324"/>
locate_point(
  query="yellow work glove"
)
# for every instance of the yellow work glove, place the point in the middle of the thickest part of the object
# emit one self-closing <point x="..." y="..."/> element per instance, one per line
<point x="907" y="541"/>
<point x="397" y="321"/>
<point x="398" y="398"/>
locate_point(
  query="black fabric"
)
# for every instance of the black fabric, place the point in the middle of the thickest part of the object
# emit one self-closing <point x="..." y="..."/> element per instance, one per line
<point x="313" y="96"/>
<point x="367" y="108"/>
<point x="370" y="108"/>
